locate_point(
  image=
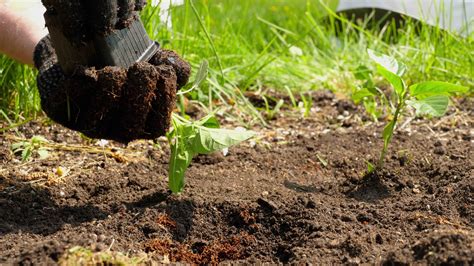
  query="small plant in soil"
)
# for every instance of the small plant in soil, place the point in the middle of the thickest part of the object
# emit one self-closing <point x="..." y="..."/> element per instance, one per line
<point x="188" y="139"/>
<point x="430" y="98"/>
<point x="29" y="147"/>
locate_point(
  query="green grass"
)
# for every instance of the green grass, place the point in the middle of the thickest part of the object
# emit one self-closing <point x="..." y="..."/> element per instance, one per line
<point x="19" y="98"/>
<point x="247" y="44"/>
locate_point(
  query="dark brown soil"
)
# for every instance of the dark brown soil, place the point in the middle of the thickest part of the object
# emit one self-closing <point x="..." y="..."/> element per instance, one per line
<point x="80" y="21"/>
<point x="71" y="19"/>
<point x="297" y="194"/>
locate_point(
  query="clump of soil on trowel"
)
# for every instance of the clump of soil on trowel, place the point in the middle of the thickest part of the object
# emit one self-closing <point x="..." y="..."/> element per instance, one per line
<point x="81" y="20"/>
<point x="170" y="58"/>
<point x="70" y="14"/>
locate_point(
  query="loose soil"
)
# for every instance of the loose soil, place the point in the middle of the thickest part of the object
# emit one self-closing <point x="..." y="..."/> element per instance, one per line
<point x="296" y="194"/>
<point x="80" y="21"/>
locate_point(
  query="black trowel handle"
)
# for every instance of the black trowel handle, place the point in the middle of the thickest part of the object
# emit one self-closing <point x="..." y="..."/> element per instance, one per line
<point x="126" y="46"/>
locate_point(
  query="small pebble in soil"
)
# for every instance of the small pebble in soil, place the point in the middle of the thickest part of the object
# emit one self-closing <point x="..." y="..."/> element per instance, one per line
<point x="311" y="204"/>
<point x="439" y="150"/>
<point x="93" y="237"/>
<point x="268" y="204"/>
<point x="378" y="239"/>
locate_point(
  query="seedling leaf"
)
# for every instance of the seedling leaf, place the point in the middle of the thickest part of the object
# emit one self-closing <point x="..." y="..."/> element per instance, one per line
<point x="209" y="140"/>
<point x="362" y="73"/>
<point x="433" y="105"/>
<point x="17" y="146"/>
<point x="370" y="167"/>
<point x="209" y="121"/>
<point x="388" y="63"/>
<point x="388" y="132"/>
<point x="201" y="75"/>
<point x="361" y="94"/>
<point x="432" y="88"/>
<point x="26" y="153"/>
<point x="390" y="69"/>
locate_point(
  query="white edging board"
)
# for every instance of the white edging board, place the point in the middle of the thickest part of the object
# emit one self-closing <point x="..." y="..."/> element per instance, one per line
<point x="453" y="15"/>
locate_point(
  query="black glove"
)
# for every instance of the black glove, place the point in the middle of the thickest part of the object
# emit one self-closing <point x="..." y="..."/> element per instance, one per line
<point x="108" y="102"/>
<point x="112" y="102"/>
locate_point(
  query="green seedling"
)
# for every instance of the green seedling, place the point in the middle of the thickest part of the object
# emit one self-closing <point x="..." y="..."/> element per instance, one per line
<point x="368" y="94"/>
<point x="28" y="148"/>
<point x="430" y="98"/>
<point x="292" y="97"/>
<point x="306" y="104"/>
<point x="271" y="112"/>
<point x="200" y="77"/>
<point x="188" y="139"/>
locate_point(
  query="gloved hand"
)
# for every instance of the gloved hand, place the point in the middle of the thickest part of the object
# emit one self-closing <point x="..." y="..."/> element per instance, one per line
<point x="112" y="102"/>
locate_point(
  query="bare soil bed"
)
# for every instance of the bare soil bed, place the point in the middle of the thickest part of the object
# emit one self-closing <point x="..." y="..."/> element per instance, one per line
<point x="296" y="194"/>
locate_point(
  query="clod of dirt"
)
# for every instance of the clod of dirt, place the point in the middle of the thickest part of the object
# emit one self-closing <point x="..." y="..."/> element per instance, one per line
<point x="80" y="21"/>
<point x="140" y="4"/>
<point x="102" y="15"/>
<point x="125" y="10"/>
<point x="446" y="249"/>
<point x="71" y="19"/>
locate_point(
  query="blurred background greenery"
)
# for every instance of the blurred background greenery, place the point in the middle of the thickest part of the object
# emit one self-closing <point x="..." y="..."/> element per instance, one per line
<point x="292" y="46"/>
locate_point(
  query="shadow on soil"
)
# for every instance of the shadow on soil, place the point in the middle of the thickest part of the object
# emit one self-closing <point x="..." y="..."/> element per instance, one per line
<point x="32" y="210"/>
<point x="371" y="189"/>
<point x="301" y="188"/>
<point x="181" y="211"/>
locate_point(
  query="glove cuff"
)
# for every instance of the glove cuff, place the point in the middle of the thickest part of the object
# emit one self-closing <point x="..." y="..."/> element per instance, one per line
<point x="44" y="55"/>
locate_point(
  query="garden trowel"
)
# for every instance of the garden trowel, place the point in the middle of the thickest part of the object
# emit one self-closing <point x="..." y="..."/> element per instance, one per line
<point x="119" y="47"/>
